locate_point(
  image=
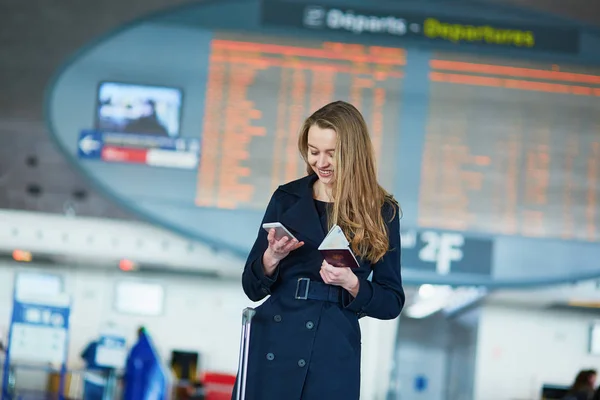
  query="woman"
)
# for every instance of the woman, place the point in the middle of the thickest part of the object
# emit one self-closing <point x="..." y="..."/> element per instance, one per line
<point x="305" y="341"/>
<point x="583" y="387"/>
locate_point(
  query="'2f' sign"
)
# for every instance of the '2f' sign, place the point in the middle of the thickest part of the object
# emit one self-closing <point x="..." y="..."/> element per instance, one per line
<point x="441" y="249"/>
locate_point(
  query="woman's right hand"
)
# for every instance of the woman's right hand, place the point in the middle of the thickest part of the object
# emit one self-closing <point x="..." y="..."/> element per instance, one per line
<point x="277" y="251"/>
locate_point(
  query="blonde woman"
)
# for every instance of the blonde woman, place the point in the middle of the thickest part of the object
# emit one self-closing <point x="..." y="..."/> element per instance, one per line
<point x="306" y="340"/>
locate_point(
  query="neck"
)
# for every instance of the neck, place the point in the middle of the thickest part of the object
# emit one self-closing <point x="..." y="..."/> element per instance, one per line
<point x="322" y="192"/>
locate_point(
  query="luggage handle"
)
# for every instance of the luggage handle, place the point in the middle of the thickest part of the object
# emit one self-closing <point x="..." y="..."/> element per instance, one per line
<point x="247" y="316"/>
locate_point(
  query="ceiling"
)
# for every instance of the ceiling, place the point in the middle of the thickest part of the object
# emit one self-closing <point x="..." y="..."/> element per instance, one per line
<point x="581" y="295"/>
<point x="435" y="301"/>
<point x="36" y="38"/>
<point x="585" y="11"/>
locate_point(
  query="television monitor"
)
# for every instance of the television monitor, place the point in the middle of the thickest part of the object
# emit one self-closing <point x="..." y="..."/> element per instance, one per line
<point x="554" y="392"/>
<point x="138" y="109"/>
<point x="184" y="364"/>
<point x="139" y="298"/>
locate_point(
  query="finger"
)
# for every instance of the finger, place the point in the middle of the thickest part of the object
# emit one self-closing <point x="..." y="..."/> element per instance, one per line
<point x="322" y="271"/>
<point x="331" y="277"/>
<point x="324" y="276"/>
<point x="271" y="235"/>
<point x="283" y="241"/>
<point x="279" y="245"/>
<point x="290" y="245"/>
<point x="297" y="245"/>
<point x="330" y="268"/>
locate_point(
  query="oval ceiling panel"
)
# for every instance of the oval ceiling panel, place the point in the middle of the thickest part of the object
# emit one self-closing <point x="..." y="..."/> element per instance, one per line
<point x="190" y="118"/>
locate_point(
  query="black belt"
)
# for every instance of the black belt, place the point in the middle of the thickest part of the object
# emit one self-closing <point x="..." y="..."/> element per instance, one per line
<point x="305" y="289"/>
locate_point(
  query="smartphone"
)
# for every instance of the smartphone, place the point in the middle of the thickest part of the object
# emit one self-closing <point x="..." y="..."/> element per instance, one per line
<point x="280" y="230"/>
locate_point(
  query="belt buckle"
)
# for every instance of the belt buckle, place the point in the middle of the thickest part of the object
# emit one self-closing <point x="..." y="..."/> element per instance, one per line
<point x="305" y="296"/>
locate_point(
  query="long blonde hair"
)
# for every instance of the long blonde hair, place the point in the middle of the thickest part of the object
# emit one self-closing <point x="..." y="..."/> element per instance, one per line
<point x="358" y="197"/>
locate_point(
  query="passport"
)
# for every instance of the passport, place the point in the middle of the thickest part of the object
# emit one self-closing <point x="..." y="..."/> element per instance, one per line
<point x="335" y="249"/>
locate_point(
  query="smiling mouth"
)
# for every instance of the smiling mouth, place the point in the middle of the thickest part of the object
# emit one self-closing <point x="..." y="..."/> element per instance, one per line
<point x="325" y="172"/>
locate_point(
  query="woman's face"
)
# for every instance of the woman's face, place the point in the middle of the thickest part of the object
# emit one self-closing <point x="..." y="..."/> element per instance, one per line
<point x="592" y="379"/>
<point x="321" y="153"/>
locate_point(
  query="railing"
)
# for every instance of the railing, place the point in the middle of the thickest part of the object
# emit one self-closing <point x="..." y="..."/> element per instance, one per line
<point x="41" y="382"/>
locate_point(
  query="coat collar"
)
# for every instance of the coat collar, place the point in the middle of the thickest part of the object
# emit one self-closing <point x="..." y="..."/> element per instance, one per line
<point x="300" y="187"/>
<point x="302" y="216"/>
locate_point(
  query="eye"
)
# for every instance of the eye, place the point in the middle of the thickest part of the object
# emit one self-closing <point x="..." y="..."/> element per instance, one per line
<point x="314" y="153"/>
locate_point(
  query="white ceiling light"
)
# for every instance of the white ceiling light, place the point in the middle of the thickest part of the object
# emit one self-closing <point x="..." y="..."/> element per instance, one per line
<point x="426" y="291"/>
<point x="432" y="299"/>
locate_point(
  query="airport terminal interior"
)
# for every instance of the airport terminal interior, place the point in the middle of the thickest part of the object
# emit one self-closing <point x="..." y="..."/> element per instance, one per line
<point x="141" y="143"/>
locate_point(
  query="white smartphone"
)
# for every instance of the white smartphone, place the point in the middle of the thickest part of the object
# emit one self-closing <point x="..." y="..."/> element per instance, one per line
<point x="280" y="230"/>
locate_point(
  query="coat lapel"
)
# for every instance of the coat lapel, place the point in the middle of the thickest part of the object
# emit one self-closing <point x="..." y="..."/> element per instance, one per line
<point x="302" y="216"/>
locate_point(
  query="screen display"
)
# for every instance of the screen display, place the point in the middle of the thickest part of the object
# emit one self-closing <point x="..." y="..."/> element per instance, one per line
<point x="139" y="298"/>
<point x="138" y="109"/>
<point x="508" y="146"/>
<point x="33" y="283"/>
<point x="258" y="95"/>
<point x="594" y="340"/>
<point x="511" y="147"/>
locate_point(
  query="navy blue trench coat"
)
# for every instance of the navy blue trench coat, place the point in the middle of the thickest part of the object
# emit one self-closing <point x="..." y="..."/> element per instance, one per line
<point x="305" y="338"/>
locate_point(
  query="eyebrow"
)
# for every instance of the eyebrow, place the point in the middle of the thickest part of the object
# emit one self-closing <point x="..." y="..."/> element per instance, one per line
<point x="313" y="147"/>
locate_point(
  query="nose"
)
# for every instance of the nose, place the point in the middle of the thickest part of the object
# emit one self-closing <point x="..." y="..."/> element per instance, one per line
<point x="322" y="161"/>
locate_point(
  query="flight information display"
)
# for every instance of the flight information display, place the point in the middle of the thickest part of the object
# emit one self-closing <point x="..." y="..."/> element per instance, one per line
<point x="512" y="148"/>
<point x="258" y="94"/>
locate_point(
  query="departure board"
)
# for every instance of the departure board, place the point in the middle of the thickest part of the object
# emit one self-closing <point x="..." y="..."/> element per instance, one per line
<point x="260" y="90"/>
<point x="512" y="147"/>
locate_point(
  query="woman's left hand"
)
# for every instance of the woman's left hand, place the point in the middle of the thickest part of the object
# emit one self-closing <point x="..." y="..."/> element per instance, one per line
<point x="339" y="276"/>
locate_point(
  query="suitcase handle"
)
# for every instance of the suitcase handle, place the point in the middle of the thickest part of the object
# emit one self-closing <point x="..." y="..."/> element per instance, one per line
<point x="247" y="316"/>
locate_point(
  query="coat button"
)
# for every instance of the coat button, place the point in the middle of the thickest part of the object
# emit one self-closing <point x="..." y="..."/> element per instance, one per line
<point x="270" y="356"/>
<point x="301" y="363"/>
<point x="277" y="318"/>
<point x="265" y="290"/>
<point x="310" y="325"/>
